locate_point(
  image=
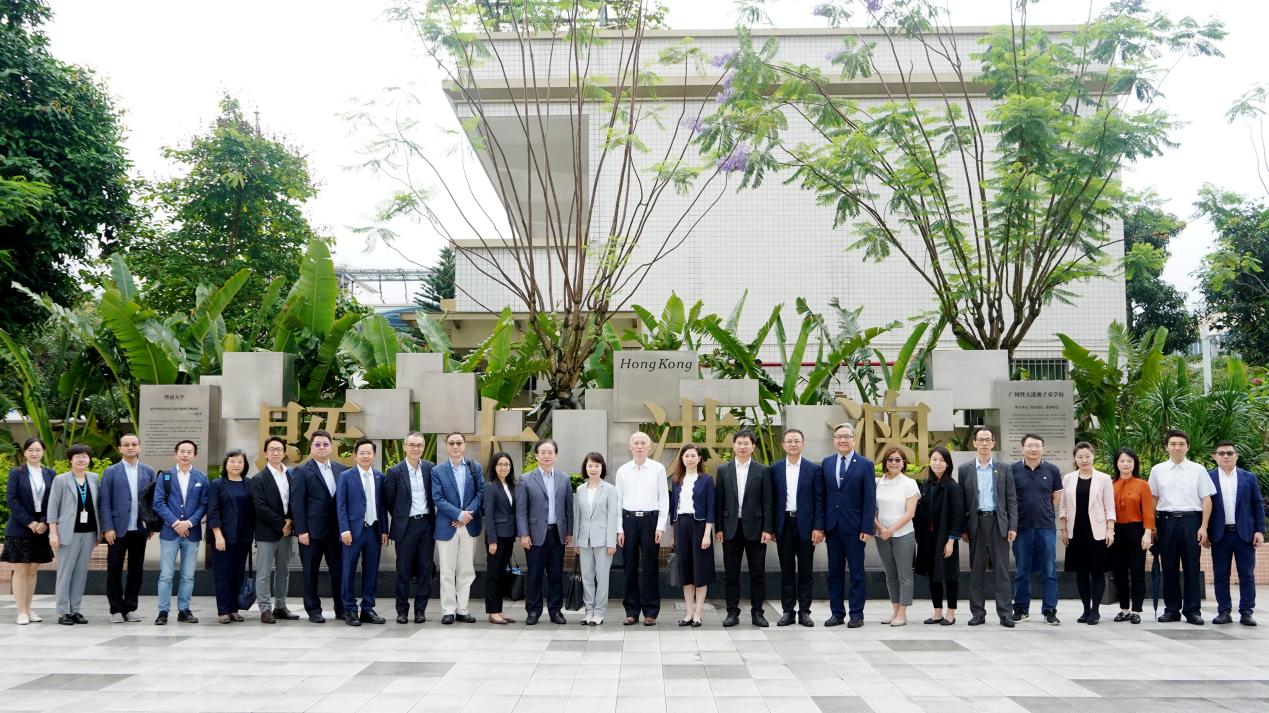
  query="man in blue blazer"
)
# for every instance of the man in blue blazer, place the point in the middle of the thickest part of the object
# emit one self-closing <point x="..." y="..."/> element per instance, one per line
<point x="122" y="529"/>
<point x="316" y="526"/>
<point x="407" y="491"/>
<point x="544" y="522"/>
<point x="1235" y="529"/>
<point x="850" y="504"/>
<point x="458" y="489"/>
<point x="180" y="498"/>
<point x="799" y="526"/>
<point x="363" y="530"/>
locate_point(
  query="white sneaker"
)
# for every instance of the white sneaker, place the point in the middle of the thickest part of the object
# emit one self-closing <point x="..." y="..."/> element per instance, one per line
<point x="597" y="621"/>
<point x="586" y="621"/>
<point x="116" y="618"/>
<point x="132" y="616"/>
<point x="35" y="618"/>
<point x="23" y="619"/>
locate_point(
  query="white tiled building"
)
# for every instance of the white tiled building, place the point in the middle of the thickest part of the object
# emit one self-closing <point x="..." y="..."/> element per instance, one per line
<point x="774" y="241"/>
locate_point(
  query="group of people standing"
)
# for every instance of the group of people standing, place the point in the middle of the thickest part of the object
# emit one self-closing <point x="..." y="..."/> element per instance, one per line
<point x="434" y="514"/>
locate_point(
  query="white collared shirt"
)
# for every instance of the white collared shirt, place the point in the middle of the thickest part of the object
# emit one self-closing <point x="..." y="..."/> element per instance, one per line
<point x="328" y="474"/>
<point x="1229" y="493"/>
<point x="418" y="496"/>
<point x="1180" y="487"/>
<point x="742" y="479"/>
<point x="368" y="486"/>
<point x="182" y="481"/>
<point x="791" y="472"/>
<point x="284" y="488"/>
<point x="133" y="472"/>
<point x="642" y="488"/>
<point x="36" y="474"/>
<point x="686" y="505"/>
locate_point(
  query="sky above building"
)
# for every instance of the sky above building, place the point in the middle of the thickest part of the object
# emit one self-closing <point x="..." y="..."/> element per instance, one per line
<point x="303" y="65"/>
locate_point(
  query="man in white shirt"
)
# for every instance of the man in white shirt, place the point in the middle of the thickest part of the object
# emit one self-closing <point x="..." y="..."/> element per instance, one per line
<point x="643" y="491"/>
<point x="407" y="494"/>
<point x="746" y="523"/>
<point x="363" y="530"/>
<point x="799" y="526"/>
<point x="122" y="529"/>
<point x="180" y="499"/>
<point x="271" y="495"/>
<point x="1182" y="493"/>
<point x="315" y="524"/>
<point x="1237" y="530"/>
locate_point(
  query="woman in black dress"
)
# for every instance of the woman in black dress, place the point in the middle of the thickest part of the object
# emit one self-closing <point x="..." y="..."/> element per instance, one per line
<point x="26" y="544"/>
<point x="231" y="515"/>
<point x="1086" y="522"/>
<point x="939" y="514"/>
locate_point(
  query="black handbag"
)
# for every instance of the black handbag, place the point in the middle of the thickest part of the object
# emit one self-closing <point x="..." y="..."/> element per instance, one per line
<point x="672" y="570"/>
<point x="247" y="594"/>
<point x="574" y="597"/>
<point x="145" y="505"/>
<point x="512" y="581"/>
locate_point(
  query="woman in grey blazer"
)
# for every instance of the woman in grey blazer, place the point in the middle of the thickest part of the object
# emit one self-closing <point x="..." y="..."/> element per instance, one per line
<point x="73" y="531"/>
<point x="596" y="512"/>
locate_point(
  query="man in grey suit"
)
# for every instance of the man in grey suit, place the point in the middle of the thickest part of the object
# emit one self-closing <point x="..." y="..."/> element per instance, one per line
<point x="746" y="523"/>
<point x="991" y="524"/>
<point x="544" y="522"/>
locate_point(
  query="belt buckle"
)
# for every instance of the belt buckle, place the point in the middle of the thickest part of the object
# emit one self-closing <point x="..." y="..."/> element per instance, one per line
<point x="638" y="513"/>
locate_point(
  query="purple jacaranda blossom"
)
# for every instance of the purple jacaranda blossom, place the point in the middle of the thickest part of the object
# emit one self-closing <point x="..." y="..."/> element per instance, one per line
<point x="724" y="95"/>
<point x="835" y="56"/>
<point x="873" y="5"/>
<point x="722" y="59"/>
<point x="823" y="10"/>
<point x="737" y="160"/>
<point x="692" y="124"/>
<point x="727" y="80"/>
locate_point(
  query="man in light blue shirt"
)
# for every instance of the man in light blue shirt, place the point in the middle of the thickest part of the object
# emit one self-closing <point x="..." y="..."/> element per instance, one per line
<point x="991" y="524"/>
<point x="544" y="521"/>
<point x="458" y="491"/>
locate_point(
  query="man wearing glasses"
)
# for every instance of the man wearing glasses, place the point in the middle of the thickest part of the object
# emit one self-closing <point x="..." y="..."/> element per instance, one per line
<point x="991" y="525"/>
<point x="313" y="513"/>
<point x="271" y="495"/>
<point x="407" y="495"/>
<point x="458" y="489"/>
<point x="850" y="504"/>
<point x="1237" y="529"/>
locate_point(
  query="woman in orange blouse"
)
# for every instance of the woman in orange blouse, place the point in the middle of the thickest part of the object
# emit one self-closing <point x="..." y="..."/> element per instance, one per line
<point x="1134" y="526"/>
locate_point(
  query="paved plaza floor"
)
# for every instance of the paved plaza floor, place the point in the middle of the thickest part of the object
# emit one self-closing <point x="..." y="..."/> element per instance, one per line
<point x="482" y="668"/>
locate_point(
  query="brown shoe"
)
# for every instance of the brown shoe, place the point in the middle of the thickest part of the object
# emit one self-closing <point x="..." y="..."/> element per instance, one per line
<point x="266" y="617"/>
<point x="283" y="613"/>
<point x="649" y="621"/>
<point x="236" y="616"/>
<point x="500" y="621"/>
<point x="224" y="618"/>
<point x="630" y="621"/>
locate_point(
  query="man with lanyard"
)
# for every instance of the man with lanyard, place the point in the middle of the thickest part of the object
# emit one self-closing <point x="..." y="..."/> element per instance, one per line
<point x="1039" y="487"/>
<point x="643" y="493"/>
<point x="122" y="529"/>
<point x="1182" y="493"/>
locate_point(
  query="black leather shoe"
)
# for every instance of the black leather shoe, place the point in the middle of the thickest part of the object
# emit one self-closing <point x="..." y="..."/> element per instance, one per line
<point x="351" y="619"/>
<point x="66" y="620"/>
<point x="1094" y="618"/>
<point x="731" y="620"/>
<point x="855" y="623"/>
<point x="403" y="618"/>
<point x="1007" y="622"/>
<point x="1194" y="619"/>
<point x="78" y="618"/>
<point x="447" y="619"/>
<point x="834" y="621"/>
<point x="759" y="620"/>
<point x="532" y="619"/>
<point x="1169" y="617"/>
<point x="469" y="619"/>
<point x="805" y="620"/>
<point x="317" y="618"/>
<point x="558" y="618"/>
<point x="161" y="619"/>
<point x="286" y="614"/>
<point x="420" y="618"/>
<point x="1247" y="620"/>
<point x="1121" y="616"/>
<point x="786" y="620"/>
<point x="977" y="620"/>
<point x="186" y="616"/>
<point x="369" y="616"/>
<point x="1223" y="618"/>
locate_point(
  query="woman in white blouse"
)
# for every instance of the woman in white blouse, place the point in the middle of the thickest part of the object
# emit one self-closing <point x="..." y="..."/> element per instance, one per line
<point x="692" y="515"/>
<point x="26" y="544"/>
<point x="897" y="497"/>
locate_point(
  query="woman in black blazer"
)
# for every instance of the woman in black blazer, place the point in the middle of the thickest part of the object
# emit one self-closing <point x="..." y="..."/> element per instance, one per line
<point x="939" y="515"/>
<point x="500" y="531"/>
<point x="26" y="544"/>
<point x="692" y="500"/>
<point x="231" y="515"/>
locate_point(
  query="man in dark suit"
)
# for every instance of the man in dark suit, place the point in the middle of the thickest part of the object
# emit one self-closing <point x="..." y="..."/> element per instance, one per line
<point x="798" y="495"/>
<point x="363" y="530"/>
<point x="271" y="496"/>
<point x="458" y="489"/>
<point x="122" y="529"/>
<point x="408" y="492"/>
<point x="991" y="525"/>
<point x="1235" y="529"/>
<point x="544" y="522"/>
<point x="317" y="527"/>
<point x="746" y="523"/>
<point x="850" y="504"/>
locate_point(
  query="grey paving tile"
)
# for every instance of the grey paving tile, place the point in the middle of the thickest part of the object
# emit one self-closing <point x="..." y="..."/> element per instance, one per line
<point x="566" y="646"/>
<point x="148" y="642"/>
<point x="1191" y="634"/>
<point x="728" y="672"/>
<point x="406" y="668"/>
<point x="72" y="682"/>
<point x="1243" y="705"/>
<point x="922" y="645"/>
<point x="1112" y="688"/>
<point x="683" y="671"/>
<point x="841" y="704"/>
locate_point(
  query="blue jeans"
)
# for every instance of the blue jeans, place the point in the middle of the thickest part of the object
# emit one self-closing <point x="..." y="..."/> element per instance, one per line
<point x="1035" y="549"/>
<point x="168" y="550"/>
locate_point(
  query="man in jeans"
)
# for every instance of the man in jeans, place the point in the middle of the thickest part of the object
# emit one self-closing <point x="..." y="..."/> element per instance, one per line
<point x="180" y="498"/>
<point x="1039" y="487"/>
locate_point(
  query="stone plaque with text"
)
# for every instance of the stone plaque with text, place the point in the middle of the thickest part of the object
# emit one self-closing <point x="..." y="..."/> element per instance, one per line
<point x="173" y="413"/>
<point x="1045" y="408"/>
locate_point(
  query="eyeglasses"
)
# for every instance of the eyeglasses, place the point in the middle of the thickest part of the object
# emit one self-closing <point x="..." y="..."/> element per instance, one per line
<point x="454" y="443"/>
<point x="989" y="439"/>
<point x="844" y="438"/>
<point x="894" y="460"/>
<point x="1226" y="453"/>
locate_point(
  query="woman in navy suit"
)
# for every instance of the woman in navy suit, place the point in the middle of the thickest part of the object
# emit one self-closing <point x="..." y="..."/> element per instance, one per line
<point x="692" y="512"/>
<point x="231" y="515"/>
<point x="500" y="531"/>
<point x="26" y="544"/>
